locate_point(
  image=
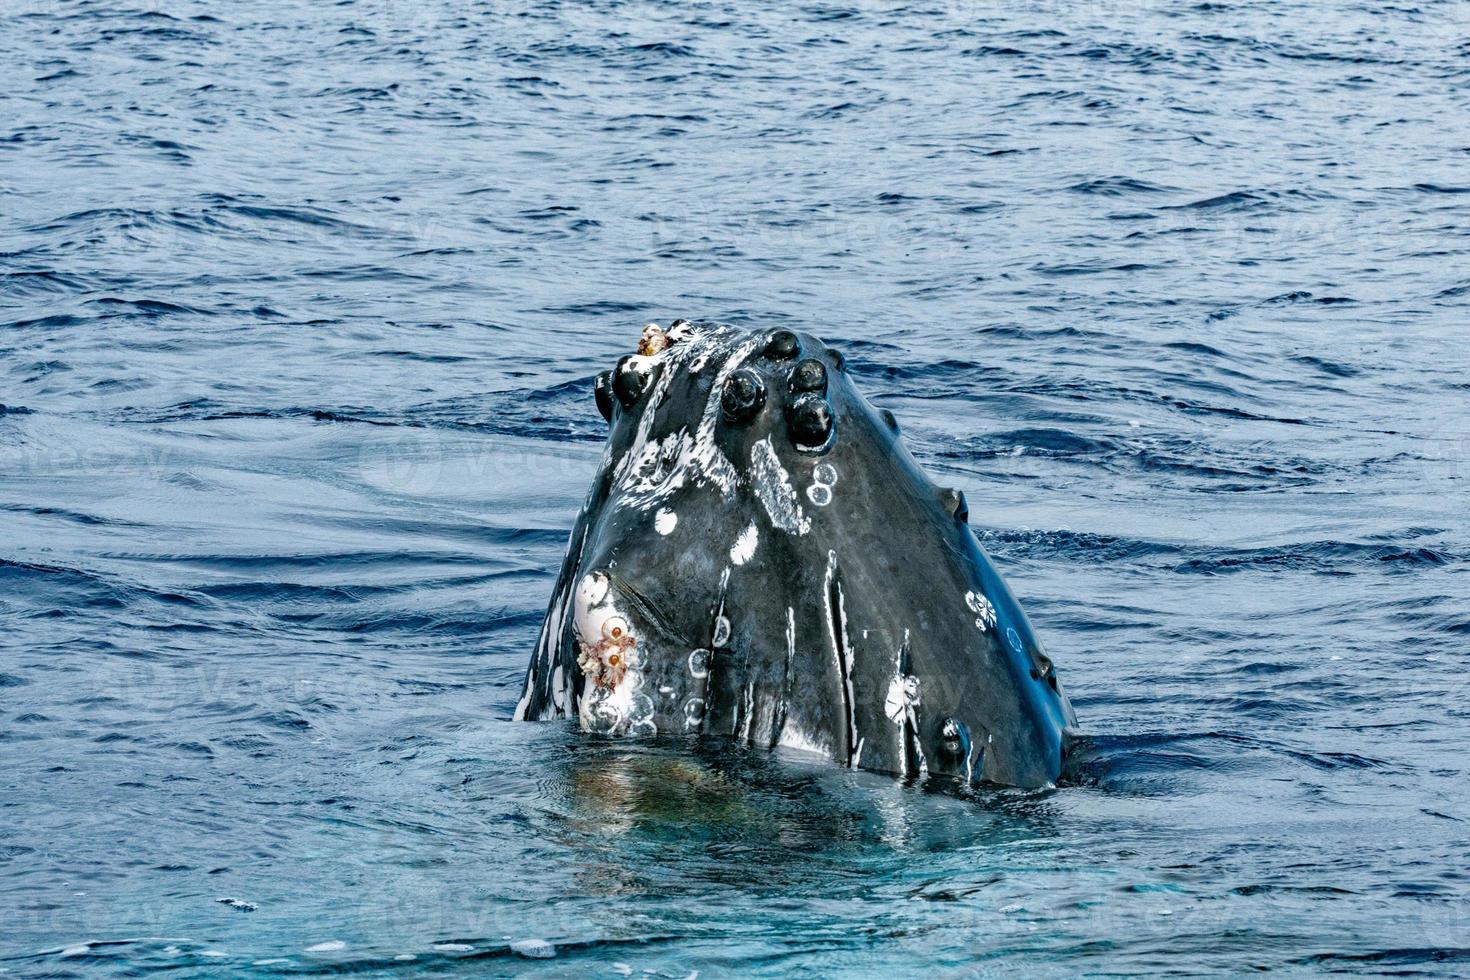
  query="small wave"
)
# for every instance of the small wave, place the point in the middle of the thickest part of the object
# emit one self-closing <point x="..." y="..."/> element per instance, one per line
<point x="1117" y="187"/>
<point x="39" y="282"/>
<point x="116" y="306"/>
<point x="1331" y="557"/>
<point x="1234" y="201"/>
<point x="993" y="51"/>
<point x="665" y="49"/>
<point x="1391" y="957"/>
<point x="1065" y="545"/>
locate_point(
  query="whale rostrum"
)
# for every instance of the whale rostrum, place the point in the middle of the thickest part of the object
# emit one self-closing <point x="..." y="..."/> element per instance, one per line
<point x="760" y="558"/>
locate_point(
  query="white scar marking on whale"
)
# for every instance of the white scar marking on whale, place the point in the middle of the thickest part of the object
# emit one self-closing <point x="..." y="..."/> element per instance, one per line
<point x="693" y="713"/>
<point x="895" y="705"/>
<point x="548" y="644"/>
<point x="525" y="702"/>
<point x="791" y="737"/>
<point x="593" y="589"/>
<point x="645" y="424"/>
<point x="707" y="456"/>
<point x="841" y="645"/>
<point x="593" y="608"/>
<point x="640" y="455"/>
<point x="984" y="611"/>
<point x="749" y="710"/>
<point x="901" y="706"/>
<point x="744" y="548"/>
<point x="790" y="638"/>
<point x="773" y="487"/>
<point x="654" y="471"/>
<point x="705" y="350"/>
<point x="665" y="521"/>
<point x="722" y="622"/>
<point x="650" y="471"/>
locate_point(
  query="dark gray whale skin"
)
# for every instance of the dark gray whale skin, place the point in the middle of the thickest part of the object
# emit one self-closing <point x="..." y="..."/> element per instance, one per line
<point x="760" y="558"/>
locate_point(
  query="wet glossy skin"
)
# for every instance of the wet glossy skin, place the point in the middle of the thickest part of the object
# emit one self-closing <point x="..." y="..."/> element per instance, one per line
<point x="761" y="558"/>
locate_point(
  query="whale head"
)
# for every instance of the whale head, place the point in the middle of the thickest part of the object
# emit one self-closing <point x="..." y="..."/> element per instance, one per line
<point x="760" y="557"/>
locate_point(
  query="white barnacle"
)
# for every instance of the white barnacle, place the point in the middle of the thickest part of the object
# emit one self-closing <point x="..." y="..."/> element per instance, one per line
<point x="600" y="711"/>
<point x="699" y="664"/>
<point x="640" y="715"/>
<point x="607" y="660"/>
<point x="665" y="521"/>
<point x="824" y="478"/>
<point x="693" y="713"/>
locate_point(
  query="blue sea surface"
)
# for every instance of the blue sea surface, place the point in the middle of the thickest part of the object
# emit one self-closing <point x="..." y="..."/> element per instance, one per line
<point x="300" y="311"/>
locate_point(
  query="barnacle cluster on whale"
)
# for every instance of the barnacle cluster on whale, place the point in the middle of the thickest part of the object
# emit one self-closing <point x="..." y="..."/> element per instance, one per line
<point x="759" y="557"/>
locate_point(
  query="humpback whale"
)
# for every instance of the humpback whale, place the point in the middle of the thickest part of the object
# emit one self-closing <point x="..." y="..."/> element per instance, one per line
<point x="760" y="558"/>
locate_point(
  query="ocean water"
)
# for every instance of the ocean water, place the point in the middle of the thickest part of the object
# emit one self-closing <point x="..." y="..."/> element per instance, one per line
<point x="300" y="310"/>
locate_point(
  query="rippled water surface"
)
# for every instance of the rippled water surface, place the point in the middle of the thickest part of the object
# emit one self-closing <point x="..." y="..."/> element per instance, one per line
<point x="300" y="312"/>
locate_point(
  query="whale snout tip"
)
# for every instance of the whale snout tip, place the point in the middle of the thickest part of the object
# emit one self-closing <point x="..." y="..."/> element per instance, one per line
<point x="613" y="643"/>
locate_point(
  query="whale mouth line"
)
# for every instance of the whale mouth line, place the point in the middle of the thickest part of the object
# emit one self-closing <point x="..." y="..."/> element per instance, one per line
<point x="648" y="612"/>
